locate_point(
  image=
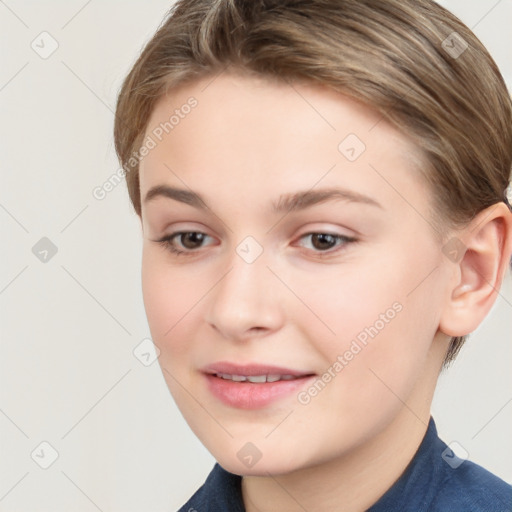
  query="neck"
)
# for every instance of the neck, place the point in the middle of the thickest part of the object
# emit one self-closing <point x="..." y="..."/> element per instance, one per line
<point x="351" y="483"/>
<point x="356" y="480"/>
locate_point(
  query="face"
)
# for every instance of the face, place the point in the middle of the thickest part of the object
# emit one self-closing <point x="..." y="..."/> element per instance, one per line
<point x="335" y="296"/>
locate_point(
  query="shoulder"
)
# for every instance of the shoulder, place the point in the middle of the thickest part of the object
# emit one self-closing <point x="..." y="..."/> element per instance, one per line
<point x="436" y="480"/>
<point x="472" y="487"/>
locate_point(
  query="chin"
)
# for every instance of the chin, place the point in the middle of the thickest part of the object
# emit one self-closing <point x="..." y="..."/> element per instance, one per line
<point x="241" y="463"/>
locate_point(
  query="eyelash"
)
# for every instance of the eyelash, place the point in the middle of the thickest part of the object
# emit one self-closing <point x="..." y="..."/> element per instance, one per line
<point x="167" y="243"/>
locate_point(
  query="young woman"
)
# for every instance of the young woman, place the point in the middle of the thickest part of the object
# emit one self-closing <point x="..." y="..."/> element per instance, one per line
<point x="322" y="192"/>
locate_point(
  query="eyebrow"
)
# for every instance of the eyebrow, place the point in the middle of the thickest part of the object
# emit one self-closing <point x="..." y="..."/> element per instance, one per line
<point x="286" y="203"/>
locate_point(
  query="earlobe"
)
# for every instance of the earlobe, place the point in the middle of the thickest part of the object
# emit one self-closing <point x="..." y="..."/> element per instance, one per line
<point x="485" y="247"/>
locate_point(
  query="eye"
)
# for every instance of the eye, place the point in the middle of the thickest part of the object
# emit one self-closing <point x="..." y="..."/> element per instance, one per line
<point x="323" y="242"/>
<point x="190" y="241"/>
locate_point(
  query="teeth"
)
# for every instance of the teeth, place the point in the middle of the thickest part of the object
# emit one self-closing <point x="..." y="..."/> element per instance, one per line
<point x="227" y="376"/>
<point x="255" y="378"/>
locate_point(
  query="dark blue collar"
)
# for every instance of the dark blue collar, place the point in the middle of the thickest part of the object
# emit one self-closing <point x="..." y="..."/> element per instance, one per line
<point x="434" y="481"/>
<point x="421" y="479"/>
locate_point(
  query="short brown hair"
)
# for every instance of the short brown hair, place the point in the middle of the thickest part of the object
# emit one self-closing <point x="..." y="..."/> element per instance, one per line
<point x="411" y="60"/>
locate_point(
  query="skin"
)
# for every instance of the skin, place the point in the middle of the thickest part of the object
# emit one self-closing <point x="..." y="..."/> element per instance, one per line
<point x="245" y="143"/>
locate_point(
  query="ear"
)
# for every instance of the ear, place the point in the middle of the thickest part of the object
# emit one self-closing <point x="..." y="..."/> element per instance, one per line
<point x="479" y="255"/>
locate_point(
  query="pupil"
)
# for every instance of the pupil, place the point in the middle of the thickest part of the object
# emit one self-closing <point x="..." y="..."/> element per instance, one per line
<point x="323" y="238"/>
<point x="193" y="237"/>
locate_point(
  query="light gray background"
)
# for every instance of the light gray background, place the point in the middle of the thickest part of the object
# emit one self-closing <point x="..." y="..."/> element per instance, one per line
<point x="68" y="375"/>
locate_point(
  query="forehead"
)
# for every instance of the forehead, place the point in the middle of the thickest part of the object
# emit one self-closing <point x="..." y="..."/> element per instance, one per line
<point x="270" y="136"/>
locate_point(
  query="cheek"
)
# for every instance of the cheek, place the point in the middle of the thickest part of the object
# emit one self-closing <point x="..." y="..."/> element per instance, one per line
<point x="169" y="295"/>
<point x="383" y="319"/>
<point x="352" y="305"/>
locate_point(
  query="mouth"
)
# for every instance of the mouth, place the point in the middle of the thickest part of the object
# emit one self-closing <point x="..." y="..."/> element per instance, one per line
<point x="253" y="386"/>
<point x="256" y="379"/>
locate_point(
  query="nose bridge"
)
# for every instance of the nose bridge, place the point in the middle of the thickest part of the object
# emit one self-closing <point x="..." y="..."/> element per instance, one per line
<point x="245" y="298"/>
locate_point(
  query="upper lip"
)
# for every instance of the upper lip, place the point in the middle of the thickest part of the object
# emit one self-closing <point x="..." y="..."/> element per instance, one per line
<point x="252" y="369"/>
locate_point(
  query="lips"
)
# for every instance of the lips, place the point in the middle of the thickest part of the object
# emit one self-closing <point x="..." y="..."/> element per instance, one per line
<point x="253" y="386"/>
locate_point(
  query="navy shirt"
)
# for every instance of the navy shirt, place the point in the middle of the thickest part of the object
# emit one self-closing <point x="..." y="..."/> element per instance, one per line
<point x="435" y="480"/>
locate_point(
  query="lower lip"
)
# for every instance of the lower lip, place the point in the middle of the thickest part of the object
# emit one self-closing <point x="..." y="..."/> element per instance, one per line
<point x="253" y="395"/>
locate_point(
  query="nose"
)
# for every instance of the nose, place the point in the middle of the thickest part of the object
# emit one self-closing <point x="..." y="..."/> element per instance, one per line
<point x="246" y="301"/>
